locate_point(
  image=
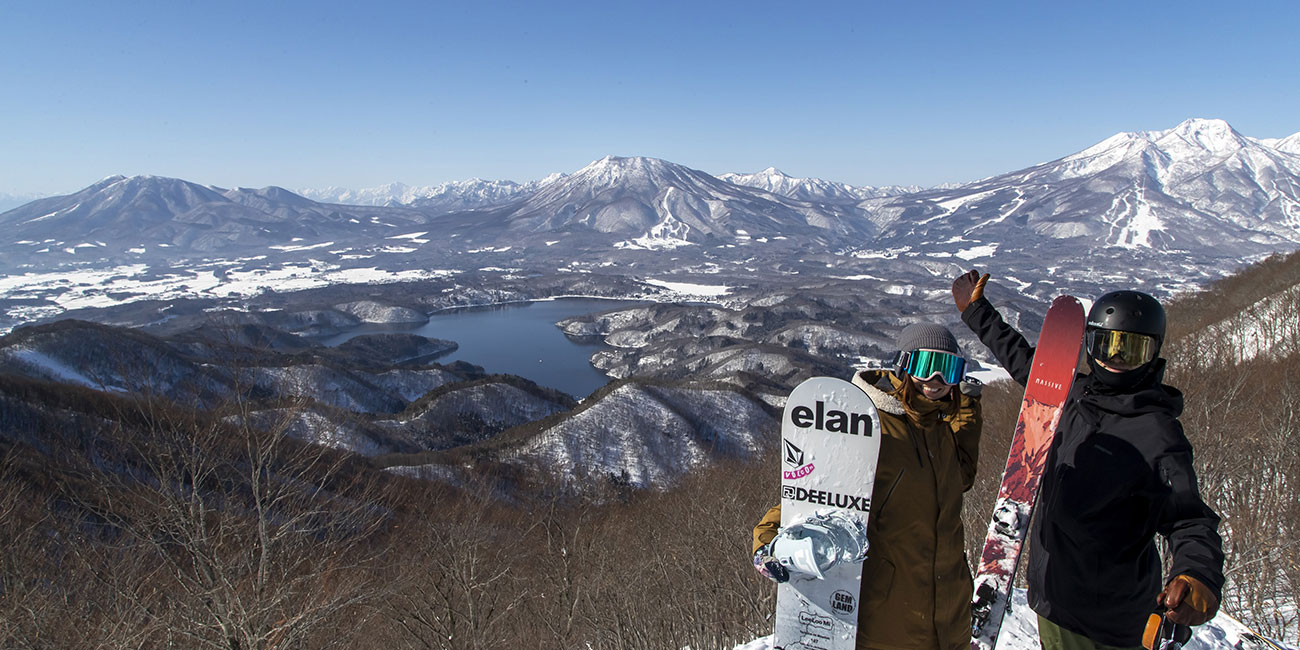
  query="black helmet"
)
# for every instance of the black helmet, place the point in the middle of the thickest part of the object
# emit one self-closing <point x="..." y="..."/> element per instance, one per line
<point x="1128" y="311"/>
<point x="1124" y="333"/>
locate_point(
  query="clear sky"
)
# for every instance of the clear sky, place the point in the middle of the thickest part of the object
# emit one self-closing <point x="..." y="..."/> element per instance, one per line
<point x="358" y="94"/>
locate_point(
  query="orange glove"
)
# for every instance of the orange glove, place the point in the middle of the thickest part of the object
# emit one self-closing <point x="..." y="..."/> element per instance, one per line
<point x="1188" y="600"/>
<point x="967" y="288"/>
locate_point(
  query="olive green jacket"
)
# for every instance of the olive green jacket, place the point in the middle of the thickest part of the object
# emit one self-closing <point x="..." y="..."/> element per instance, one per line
<point x="916" y="584"/>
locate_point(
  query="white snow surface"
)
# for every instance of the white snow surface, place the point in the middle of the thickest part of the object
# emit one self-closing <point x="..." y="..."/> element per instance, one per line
<point x="76" y="289"/>
<point x="1020" y="632"/>
<point x="691" y="289"/>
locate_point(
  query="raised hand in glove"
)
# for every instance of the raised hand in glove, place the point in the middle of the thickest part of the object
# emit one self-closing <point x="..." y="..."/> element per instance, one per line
<point x="1188" y="600"/>
<point x="967" y="288"/>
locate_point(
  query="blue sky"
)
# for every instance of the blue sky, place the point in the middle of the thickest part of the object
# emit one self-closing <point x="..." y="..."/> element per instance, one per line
<point x="356" y="94"/>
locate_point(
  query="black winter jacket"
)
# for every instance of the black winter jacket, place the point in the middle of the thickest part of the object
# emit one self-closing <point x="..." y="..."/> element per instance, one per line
<point x="1119" y="471"/>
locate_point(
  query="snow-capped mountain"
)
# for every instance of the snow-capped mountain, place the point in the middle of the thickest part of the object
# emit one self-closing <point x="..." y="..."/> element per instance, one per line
<point x="812" y="189"/>
<point x="472" y="194"/>
<point x="1199" y="187"/>
<point x="655" y="203"/>
<point x="1289" y="144"/>
<point x="120" y="213"/>
<point x="477" y="194"/>
<point x="155" y="219"/>
<point x="390" y="194"/>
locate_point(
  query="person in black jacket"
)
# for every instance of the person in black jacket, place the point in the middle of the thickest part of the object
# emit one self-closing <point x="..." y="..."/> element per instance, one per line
<point x="1118" y="473"/>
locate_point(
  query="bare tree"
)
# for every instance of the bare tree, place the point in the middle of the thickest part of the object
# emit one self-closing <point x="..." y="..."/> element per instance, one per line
<point x="461" y="587"/>
<point x="257" y="539"/>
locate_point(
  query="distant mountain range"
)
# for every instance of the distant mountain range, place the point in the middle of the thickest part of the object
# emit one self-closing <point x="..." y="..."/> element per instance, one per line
<point x="1161" y="209"/>
<point x="813" y="189"/>
<point x="10" y="201"/>
<point x="478" y="193"/>
<point x="456" y="195"/>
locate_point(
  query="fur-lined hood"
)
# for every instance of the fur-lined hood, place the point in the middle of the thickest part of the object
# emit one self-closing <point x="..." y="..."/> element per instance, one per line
<point x="876" y="384"/>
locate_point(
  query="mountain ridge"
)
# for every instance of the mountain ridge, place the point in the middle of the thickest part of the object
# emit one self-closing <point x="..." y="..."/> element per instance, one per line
<point x="1159" y="210"/>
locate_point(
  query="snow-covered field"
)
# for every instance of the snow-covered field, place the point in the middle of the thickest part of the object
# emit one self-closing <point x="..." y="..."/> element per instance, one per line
<point x="1020" y="632"/>
<point x="96" y="288"/>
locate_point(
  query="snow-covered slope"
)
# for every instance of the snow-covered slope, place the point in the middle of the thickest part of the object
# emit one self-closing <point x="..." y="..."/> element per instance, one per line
<point x="664" y="202"/>
<point x="1269" y="327"/>
<point x="649" y="436"/>
<point x="1199" y="186"/>
<point x="1020" y="632"/>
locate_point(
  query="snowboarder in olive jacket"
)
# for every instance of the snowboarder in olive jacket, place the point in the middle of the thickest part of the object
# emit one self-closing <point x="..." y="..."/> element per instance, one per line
<point x="1119" y="472"/>
<point x="916" y="585"/>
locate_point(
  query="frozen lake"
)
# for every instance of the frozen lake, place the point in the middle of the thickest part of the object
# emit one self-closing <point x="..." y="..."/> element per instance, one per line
<point x="518" y="339"/>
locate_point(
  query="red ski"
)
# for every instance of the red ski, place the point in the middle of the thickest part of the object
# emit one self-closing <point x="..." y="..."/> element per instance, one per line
<point x="1056" y="359"/>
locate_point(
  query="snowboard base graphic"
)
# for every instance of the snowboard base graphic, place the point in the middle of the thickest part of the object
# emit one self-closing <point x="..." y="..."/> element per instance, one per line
<point x="1055" y="361"/>
<point x="830" y="441"/>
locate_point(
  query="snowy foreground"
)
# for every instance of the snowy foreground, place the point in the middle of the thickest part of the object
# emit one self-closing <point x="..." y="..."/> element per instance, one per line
<point x="1020" y="632"/>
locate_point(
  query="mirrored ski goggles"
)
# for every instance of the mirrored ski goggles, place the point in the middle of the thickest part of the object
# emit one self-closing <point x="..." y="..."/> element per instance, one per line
<point x="925" y="364"/>
<point x="1125" y="348"/>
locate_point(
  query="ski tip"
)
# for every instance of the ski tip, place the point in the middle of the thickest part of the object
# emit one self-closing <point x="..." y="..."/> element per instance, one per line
<point x="1066" y="307"/>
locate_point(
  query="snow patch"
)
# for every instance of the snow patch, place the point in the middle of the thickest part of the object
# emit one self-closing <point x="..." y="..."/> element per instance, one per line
<point x="55" y="368"/>
<point x="416" y="237"/>
<point x="291" y="249"/>
<point x="691" y="289"/>
<point x="977" y="252"/>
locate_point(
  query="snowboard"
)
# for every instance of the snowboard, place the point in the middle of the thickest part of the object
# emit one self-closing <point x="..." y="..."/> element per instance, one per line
<point x="1055" y="361"/>
<point x="830" y="441"/>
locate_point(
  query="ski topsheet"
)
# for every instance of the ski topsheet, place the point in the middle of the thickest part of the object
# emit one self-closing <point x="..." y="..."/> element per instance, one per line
<point x="1055" y="361"/>
<point x="830" y="440"/>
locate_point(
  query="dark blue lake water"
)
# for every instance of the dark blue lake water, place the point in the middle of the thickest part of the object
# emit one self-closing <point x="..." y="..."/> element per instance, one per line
<point x="519" y="339"/>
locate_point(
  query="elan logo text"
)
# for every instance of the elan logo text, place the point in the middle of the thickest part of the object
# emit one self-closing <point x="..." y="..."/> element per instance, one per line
<point x="857" y="424"/>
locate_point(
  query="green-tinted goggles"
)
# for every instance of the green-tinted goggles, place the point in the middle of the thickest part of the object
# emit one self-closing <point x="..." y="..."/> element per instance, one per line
<point x="1129" y="348"/>
<point x="925" y="364"/>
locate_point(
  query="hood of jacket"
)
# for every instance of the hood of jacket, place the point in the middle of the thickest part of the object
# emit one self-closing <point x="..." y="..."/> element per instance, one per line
<point x="1148" y="397"/>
